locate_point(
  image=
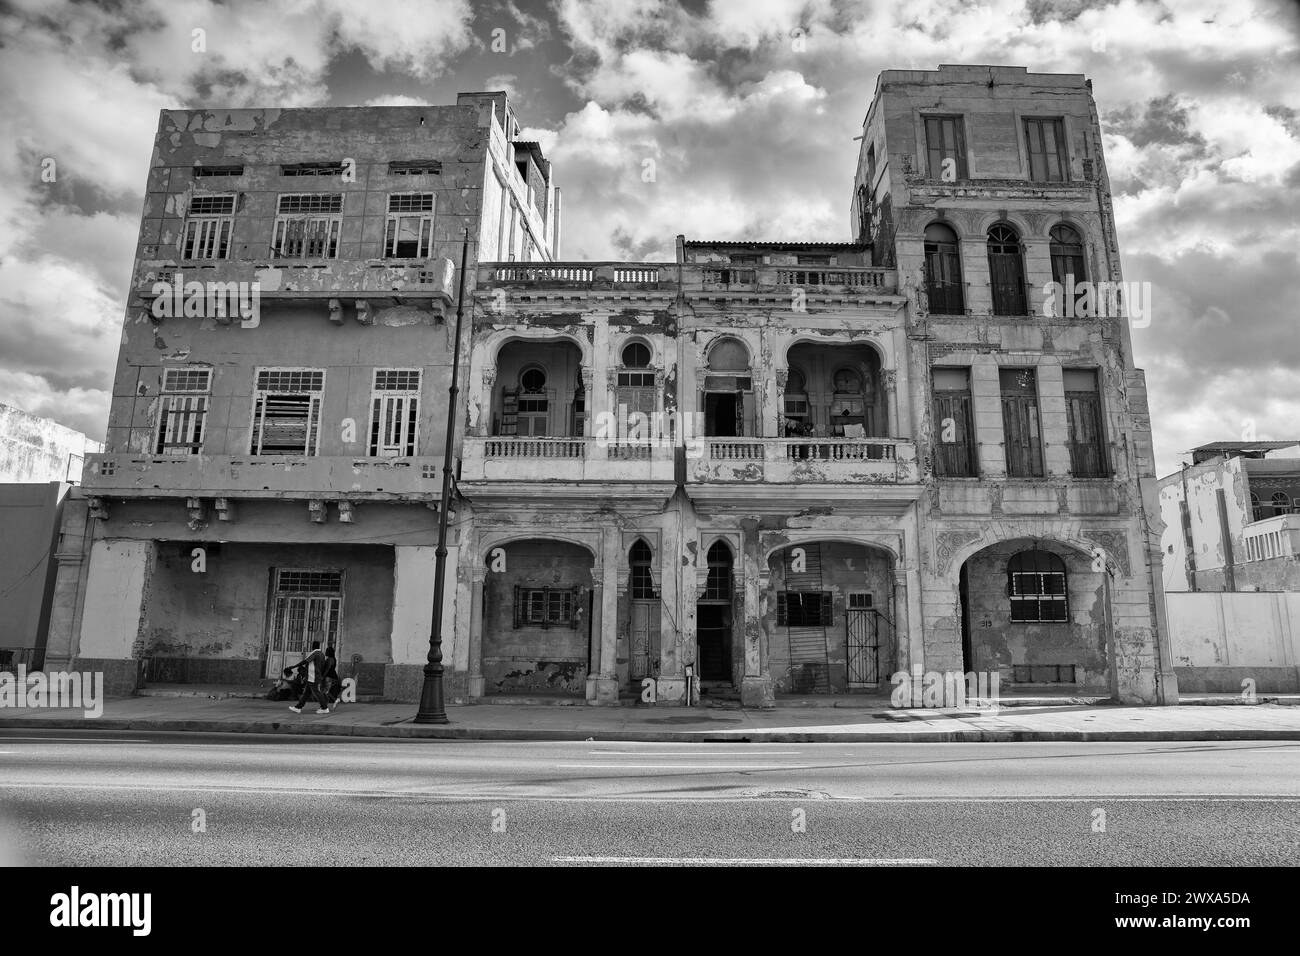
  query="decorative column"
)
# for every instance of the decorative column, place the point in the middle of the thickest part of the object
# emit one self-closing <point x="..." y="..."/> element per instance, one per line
<point x="476" y="684"/>
<point x="782" y="374"/>
<point x="905" y="649"/>
<point x="889" y="379"/>
<point x="597" y="649"/>
<point x="484" y="424"/>
<point x="756" y="686"/>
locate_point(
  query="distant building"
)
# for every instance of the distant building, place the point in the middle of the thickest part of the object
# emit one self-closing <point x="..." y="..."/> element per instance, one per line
<point x="1232" y="518"/>
<point x="35" y="449"/>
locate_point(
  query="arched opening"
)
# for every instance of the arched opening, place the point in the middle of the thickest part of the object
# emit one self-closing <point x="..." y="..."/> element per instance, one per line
<point x="536" y="631"/>
<point x="830" y="618"/>
<point x="728" y="394"/>
<point x="539" y="390"/>
<point x="836" y="390"/>
<point x="1036" y="613"/>
<point x="943" y="283"/>
<point x="714" y="617"/>
<point x="643" y="614"/>
<point x="1068" y="267"/>
<point x="1006" y="270"/>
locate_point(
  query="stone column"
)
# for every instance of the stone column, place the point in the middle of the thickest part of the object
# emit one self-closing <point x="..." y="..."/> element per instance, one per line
<point x="756" y="685"/>
<point x="476" y="684"/>
<point x="597" y="613"/>
<point x="782" y="374"/>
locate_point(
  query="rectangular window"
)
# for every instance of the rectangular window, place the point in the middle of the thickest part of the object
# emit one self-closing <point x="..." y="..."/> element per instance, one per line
<point x="395" y="413"/>
<point x="207" y="227"/>
<point x="1038" y="597"/>
<point x="202" y="171"/>
<point x="311" y="169"/>
<point x="945" y="144"/>
<point x="409" y="234"/>
<point x="1045" y="142"/>
<point x="1020" y="423"/>
<point x="954" y="427"/>
<point x="415" y="167"/>
<point x="184" y="409"/>
<point x="1083" y="412"/>
<point x="546" y="607"/>
<point x="286" y="411"/>
<point x="804" y="609"/>
<point x="307" y="226"/>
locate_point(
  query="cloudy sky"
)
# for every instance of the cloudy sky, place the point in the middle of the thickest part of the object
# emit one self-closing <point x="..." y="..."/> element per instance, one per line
<point x="748" y="108"/>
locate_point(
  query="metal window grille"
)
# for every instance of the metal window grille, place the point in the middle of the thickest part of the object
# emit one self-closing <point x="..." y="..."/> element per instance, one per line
<point x="397" y="379"/>
<point x="211" y="205"/>
<point x="410" y="202"/>
<point x="308" y="581"/>
<point x="190" y="380"/>
<point x="311" y="169"/>
<point x="1037" y="588"/>
<point x="293" y="203"/>
<point x="636" y="379"/>
<point x="201" y="172"/>
<point x="290" y="380"/>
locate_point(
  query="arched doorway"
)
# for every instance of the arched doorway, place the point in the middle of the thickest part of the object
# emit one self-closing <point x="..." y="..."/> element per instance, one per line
<point x="715" y="617"/>
<point x="728" y="394"/>
<point x="643" y="615"/>
<point x="539" y="390"/>
<point x="536" y="614"/>
<point x="1036" y="613"/>
<point x="830" y="618"/>
<point x="835" y="391"/>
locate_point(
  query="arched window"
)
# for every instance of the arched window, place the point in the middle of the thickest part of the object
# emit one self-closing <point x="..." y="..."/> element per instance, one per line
<point x="1006" y="270"/>
<point x="943" y="283"/>
<point x="796" y="405"/>
<point x="1256" y="508"/>
<point x="636" y="355"/>
<point x="1037" y="587"/>
<point x="534" y="412"/>
<point x="1281" y="503"/>
<point x="1067" y="254"/>
<point x="718" y="586"/>
<point x="640" y="558"/>
<point x="729" y="355"/>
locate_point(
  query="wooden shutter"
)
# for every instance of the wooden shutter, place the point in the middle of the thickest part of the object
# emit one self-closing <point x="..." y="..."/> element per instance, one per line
<point x="1020" y="423"/>
<point x="955" y="459"/>
<point x="1084" y="414"/>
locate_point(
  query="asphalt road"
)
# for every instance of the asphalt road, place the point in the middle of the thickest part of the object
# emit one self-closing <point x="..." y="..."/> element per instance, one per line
<point x="123" y="798"/>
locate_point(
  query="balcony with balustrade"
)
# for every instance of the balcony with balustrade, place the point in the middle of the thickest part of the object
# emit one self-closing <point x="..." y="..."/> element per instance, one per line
<point x="840" y="469"/>
<point x="548" y="468"/>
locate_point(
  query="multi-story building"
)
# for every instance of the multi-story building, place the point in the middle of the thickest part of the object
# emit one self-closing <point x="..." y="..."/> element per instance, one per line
<point x="764" y="468"/>
<point x="276" y="433"/>
<point x="881" y="455"/>
<point x="1232" y="518"/>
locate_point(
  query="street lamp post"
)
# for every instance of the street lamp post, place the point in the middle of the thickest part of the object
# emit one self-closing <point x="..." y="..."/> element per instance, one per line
<point x="433" y="708"/>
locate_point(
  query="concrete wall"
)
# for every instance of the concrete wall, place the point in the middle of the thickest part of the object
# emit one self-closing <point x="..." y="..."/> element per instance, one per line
<point x="30" y="516"/>
<point x="222" y="614"/>
<point x="1220" y="640"/>
<point x="533" y="659"/>
<point x="844" y="568"/>
<point x="35" y="449"/>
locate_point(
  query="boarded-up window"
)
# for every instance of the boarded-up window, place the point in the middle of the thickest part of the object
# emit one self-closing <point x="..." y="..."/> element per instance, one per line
<point x="804" y="609"/>
<point x="1006" y="271"/>
<point x="546" y="607"/>
<point x="1022" y="436"/>
<point x="184" y="409"/>
<point x="943" y="285"/>
<point x="286" y="411"/>
<point x="1045" y="140"/>
<point x="1037" y="588"/>
<point x="954" y="429"/>
<point x="945" y="140"/>
<point x="1083" y="412"/>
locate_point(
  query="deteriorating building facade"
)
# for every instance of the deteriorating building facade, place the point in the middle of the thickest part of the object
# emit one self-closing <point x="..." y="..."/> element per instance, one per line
<point x="761" y="469"/>
<point x="275" y="439"/>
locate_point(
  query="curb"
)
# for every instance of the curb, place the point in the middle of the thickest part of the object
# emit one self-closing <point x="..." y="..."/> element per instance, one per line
<point x="426" y="732"/>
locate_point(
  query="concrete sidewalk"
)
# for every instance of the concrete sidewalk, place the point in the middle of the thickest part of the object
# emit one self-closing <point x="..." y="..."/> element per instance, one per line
<point x="1056" y="722"/>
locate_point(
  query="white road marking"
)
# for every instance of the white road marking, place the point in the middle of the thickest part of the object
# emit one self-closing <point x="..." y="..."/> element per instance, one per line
<point x="79" y="740"/>
<point x="674" y="766"/>
<point x="702" y="754"/>
<point x="624" y="798"/>
<point x="759" y="861"/>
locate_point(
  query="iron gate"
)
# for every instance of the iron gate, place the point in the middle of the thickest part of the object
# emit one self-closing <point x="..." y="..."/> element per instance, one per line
<point x="863" y="646"/>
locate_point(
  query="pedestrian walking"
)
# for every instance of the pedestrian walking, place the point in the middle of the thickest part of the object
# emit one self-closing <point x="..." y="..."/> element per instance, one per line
<point x="313" y="666"/>
<point x="333" y="685"/>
